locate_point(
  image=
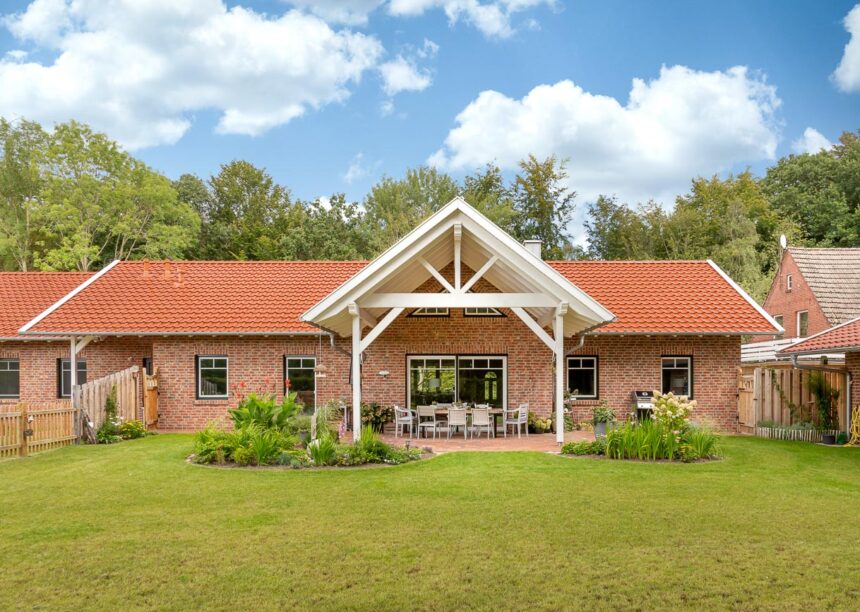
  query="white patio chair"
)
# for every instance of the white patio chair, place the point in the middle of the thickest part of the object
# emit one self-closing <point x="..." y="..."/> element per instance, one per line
<point x="403" y="417"/>
<point x="457" y="418"/>
<point x="481" y="421"/>
<point x="427" y="420"/>
<point x="518" y="418"/>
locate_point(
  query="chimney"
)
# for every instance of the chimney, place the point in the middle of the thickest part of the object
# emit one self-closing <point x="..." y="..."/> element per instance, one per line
<point x="533" y="247"/>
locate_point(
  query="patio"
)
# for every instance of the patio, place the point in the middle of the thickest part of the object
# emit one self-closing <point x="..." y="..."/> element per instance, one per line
<point x="533" y="442"/>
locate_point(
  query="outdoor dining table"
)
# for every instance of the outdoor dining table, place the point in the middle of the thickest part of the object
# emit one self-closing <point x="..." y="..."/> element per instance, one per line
<point x="494" y="413"/>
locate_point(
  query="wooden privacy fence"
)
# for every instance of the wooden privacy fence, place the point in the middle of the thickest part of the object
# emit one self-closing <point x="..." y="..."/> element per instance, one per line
<point x="150" y="398"/>
<point x="90" y="398"/>
<point x="781" y="394"/>
<point x="34" y="427"/>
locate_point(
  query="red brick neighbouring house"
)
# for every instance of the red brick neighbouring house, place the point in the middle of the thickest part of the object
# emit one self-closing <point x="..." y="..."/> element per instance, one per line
<point x="814" y="288"/>
<point x="456" y="310"/>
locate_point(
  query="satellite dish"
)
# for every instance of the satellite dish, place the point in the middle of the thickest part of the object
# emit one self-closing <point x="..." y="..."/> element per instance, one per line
<point x="783" y="241"/>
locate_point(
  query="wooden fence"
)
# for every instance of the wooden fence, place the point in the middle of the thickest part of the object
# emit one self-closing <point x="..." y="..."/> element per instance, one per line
<point x="36" y="427"/>
<point x="90" y="398"/>
<point x="781" y="394"/>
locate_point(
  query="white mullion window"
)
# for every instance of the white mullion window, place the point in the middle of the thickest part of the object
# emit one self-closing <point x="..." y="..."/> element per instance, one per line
<point x="582" y="377"/>
<point x="677" y="375"/>
<point x="10" y="378"/>
<point x="212" y="376"/>
<point x="430" y="311"/>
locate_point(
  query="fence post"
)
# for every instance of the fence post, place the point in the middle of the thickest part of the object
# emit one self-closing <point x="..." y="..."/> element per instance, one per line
<point x="24" y="425"/>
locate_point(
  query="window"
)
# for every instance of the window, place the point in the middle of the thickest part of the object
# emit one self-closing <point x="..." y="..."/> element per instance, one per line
<point x="211" y="376"/>
<point x="432" y="379"/>
<point x="789" y="282"/>
<point x="482" y="311"/>
<point x="64" y="376"/>
<point x="147" y="365"/>
<point x="582" y="376"/>
<point x="802" y="323"/>
<point x="10" y="378"/>
<point x="778" y="319"/>
<point x="430" y="311"/>
<point x="678" y="375"/>
<point x="302" y="376"/>
<point x="481" y="380"/>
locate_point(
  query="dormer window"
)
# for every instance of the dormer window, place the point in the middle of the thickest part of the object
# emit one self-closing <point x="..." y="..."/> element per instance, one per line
<point x="789" y="282"/>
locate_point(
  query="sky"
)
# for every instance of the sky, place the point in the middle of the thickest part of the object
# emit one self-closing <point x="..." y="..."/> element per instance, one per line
<point x="329" y="96"/>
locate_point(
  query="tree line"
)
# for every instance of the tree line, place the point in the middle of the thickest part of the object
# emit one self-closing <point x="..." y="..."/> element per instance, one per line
<point x="72" y="199"/>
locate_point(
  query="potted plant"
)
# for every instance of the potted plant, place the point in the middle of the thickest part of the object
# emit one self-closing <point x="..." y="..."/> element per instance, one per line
<point x="601" y="416"/>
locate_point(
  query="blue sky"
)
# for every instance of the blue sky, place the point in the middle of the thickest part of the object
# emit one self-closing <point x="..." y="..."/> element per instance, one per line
<point x="370" y="87"/>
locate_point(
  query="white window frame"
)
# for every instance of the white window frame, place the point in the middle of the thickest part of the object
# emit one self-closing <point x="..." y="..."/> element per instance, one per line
<point x="313" y="369"/>
<point x="594" y="370"/>
<point x="200" y="394"/>
<point x="490" y="312"/>
<point x="789" y="282"/>
<point x="78" y="369"/>
<point x="688" y="367"/>
<point x="797" y="323"/>
<point x="456" y="359"/>
<point x="431" y="311"/>
<point x="7" y="361"/>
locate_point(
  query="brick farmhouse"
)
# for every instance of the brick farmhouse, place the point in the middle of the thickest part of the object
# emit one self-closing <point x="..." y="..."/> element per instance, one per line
<point x="456" y="310"/>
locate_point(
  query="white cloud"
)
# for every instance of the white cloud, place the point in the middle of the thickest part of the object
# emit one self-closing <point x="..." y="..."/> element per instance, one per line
<point x="401" y="74"/>
<point x="140" y="70"/>
<point x="812" y="141"/>
<point x="386" y="108"/>
<point x="847" y="74"/>
<point x="359" y="168"/>
<point x="350" y="12"/>
<point x="493" y="18"/>
<point x="682" y="124"/>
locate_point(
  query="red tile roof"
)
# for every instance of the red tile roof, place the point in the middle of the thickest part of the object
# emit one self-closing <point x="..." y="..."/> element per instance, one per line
<point x="841" y="337"/>
<point x="230" y="297"/>
<point x="665" y="297"/>
<point x="233" y="297"/>
<point x="23" y="295"/>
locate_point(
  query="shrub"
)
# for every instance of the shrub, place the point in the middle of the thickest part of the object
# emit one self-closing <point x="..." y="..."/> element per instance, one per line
<point x="131" y="430"/>
<point x="585" y="447"/>
<point x="672" y="411"/>
<point x="265" y="412"/>
<point x="539" y="425"/>
<point x="328" y="418"/>
<point x="698" y="443"/>
<point x="653" y="440"/>
<point x="826" y="400"/>
<point x="250" y="445"/>
<point x="108" y="432"/>
<point x="322" y="451"/>
<point x="376" y="415"/>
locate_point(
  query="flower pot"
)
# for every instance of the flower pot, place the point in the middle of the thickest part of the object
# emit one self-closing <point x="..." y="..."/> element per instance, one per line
<point x="828" y="438"/>
<point x="600" y="430"/>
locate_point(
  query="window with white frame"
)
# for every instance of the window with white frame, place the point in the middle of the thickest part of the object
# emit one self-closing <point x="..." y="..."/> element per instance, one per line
<point x="778" y="319"/>
<point x="582" y="377"/>
<point x="212" y="375"/>
<point x="10" y="378"/>
<point x="789" y="282"/>
<point x="802" y="323"/>
<point x="678" y="375"/>
<point x="300" y="378"/>
<point x="64" y="376"/>
<point x="482" y="311"/>
<point x="430" y="311"/>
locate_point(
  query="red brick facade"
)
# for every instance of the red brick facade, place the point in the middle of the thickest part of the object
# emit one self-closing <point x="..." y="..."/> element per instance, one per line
<point x="787" y="303"/>
<point x="852" y="363"/>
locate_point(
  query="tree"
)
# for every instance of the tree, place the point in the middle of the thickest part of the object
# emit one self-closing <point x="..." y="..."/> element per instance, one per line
<point x="394" y="207"/>
<point x="486" y="191"/>
<point x="544" y="204"/>
<point x="246" y="215"/>
<point x="615" y="231"/>
<point x="332" y="230"/>
<point x="24" y="146"/>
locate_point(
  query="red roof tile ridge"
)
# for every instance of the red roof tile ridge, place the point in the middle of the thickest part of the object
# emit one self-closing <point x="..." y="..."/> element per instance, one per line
<point x="626" y="261"/>
<point x="244" y="261"/>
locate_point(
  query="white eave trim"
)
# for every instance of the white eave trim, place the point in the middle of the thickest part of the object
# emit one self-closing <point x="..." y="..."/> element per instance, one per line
<point x="68" y="296"/>
<point x="780" y="329"/>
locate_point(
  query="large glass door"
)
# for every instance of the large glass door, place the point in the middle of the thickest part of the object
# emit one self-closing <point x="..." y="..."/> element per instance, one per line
<point x="443" y="379"/>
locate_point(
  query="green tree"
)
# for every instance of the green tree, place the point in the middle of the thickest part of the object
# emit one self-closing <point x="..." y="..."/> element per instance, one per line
<point x="615" y="231"/>
<point x="544" y="204"/>
<point x="335" y="231"/>
<point x="487" y="192"/>
<point x="22" y="159"/>
<point x="100" y="204"/>
<point x="394" y="207"/>
<point x="246" y="214"/>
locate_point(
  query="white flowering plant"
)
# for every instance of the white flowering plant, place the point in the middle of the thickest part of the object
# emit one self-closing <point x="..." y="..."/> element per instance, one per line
<point x="672" y="411"/>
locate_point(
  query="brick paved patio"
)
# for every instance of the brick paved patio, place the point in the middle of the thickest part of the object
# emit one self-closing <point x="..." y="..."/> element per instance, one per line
<point x="533" y="442"/>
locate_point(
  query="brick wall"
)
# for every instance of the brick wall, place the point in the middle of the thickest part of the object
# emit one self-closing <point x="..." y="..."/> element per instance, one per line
<point x="38" y="363"/>
<point x="780" y="301"/>
<point x="852" y="362"/>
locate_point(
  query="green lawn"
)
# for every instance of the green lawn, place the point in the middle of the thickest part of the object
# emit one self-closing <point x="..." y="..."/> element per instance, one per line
<point x="773" y="525"/>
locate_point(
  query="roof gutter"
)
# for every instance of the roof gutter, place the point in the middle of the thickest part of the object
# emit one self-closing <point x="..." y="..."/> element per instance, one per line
<point x="849" y="380"/>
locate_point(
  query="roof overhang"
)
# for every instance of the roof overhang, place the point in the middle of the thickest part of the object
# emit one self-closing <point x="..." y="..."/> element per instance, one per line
<point x="459" y="234"/>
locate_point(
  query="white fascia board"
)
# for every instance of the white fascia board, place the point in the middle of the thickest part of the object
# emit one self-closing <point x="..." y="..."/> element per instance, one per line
<point x="779" y="328"/>
<point x="68" y="296"/>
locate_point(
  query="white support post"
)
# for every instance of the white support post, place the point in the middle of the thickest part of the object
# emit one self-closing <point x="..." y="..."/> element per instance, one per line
<point x="458" y="236"/>
<point x="558" y="331"/>
<point x="356" y="372"/>
<point x="73" y="367"/>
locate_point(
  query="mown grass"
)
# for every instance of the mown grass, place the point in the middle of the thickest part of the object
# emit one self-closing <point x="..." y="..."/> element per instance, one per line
<point x="772" y="525"/>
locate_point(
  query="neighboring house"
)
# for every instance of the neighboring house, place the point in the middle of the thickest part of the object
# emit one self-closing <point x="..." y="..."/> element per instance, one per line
<point x="814" y="289"/>
<point x="842" y="338"/>
<point x="456" y="310"/>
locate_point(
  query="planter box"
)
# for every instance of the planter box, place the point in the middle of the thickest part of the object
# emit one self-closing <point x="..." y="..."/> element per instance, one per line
<point x="802" y="435"/>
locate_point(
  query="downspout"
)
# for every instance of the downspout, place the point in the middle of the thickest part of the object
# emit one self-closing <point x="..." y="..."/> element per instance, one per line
<point x="848" y="382"/>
